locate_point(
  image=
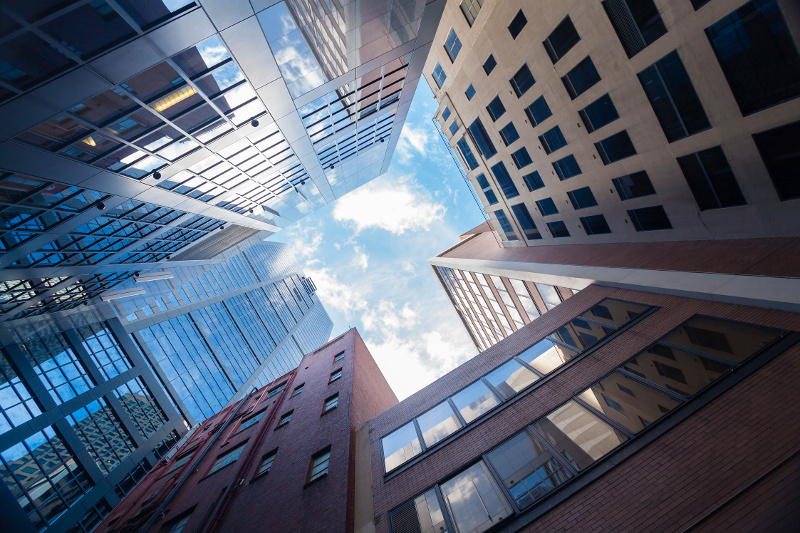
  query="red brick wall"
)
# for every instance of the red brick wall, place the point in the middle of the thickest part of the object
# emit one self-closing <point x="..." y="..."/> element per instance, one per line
<point x="676" y="479"/>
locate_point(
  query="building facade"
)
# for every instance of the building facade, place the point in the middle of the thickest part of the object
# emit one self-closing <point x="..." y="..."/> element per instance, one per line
<point x="685" y="111"/>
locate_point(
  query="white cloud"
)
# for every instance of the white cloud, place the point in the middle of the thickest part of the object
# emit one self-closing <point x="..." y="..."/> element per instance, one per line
<point x="305" y="241"/>
<point x="345" y="298"/>
<point x="361" y="258"/>
<point x="413" y="140"/>
<point x="391" y="204"/>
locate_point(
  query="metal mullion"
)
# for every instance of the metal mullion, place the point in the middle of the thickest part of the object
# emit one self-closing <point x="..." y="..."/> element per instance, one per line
<point x="460" y="418"/>
<point x="207" y="71"/>
<point x="519" y="360"/>
<point x="602" y="416"/>
<point x="648" y="383"/>
<point x="500" y="396"/>
<point x="697" y="352"/>
<point x="708" y="179"/>
<point x="145" y="239"/>
<point x="669" y="95"/>
<point x="34" y="29"/>
<point x="542" y="440"/>
<point x="124" y="16"/>
<point x="192" y="83"/>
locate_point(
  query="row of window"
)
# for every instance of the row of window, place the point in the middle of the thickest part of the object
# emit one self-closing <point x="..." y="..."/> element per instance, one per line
<point x="564" y="344"/>
<point x="563" y="444"/>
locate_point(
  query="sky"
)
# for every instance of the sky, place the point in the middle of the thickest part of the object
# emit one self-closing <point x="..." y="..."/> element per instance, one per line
<point x="367" y="254"/>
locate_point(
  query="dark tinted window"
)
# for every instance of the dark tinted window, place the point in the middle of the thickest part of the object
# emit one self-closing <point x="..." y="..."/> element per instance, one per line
<point x="547" y="206"/>
<point x="509" y="133"/>
<point x="618" y="146"/>
<point x="711" y="179"/>
<point x="581" y="78"/>
<point x="637" y="23"/>
<point x="599" y="113"/>
<point x="552" y="140"/>
<point x="483" y="183"/>
<point x="470" y="92"/>
<point x="506" y="225"/>
<point x="517" y="24"/>
<point x="489" y="64"/>
<point x="453" y="128"/>
<point x="481" y="138"/>
<point x="496" y="108"/>
<point x="439" y="75"/>
<point x="780" y="150"/>
<point x="522" y="81"/>
<point x="466" y="153"/>
<point x="561" y="41"/>
<point x="558" y="229"/>
<point x="673" y="98"/>
<point x="566" y="167"/>
<point x="697" y="4"/>
<point x="595" y="225"/>
<point x="649" y="218"/>
<point x="538" y="111"/>
<point x="757" y="55"/>
<point x="446" y="114"/>
<point x="452" y="45"/>
<point x="521" y="158"/>
<point x="582" y="198"/>
<point x="533" y="181"/>
<point x="504" y="179"/>
<point x="634" y="185"/>
<point x="526" y="221"/>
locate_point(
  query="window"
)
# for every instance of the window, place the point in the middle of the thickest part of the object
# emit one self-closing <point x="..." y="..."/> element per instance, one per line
<point x="452" y="45"/>
<point x="502" y="219"/>
<point x="178" y="524"/>
<point x="474" y="400"/>
<point x="400" y="446"/>
<point x="521" y="158"/>
<point x="470" y="92"/>
<point x="453" y="128"/>
<point x="673" y="98"/>
<point x="538" y="111"/>
<point x="533" y="181"/>
<point x="566" y="167"/>
<point x="598" y="113"/>
<point x="298" y="390"/>
<point x="330" y="403"/>
<point x="526" y="222"/>
<point x="285" y="419"/>
<point x="547" y="206"/>
<point x="423" y="513"/>
<point x="711" y="179"/>
<point x="483" y="183"/>
<point x="582" y="198"/>
<point x="517" y="24"/>
<point x="561" y="40"/>
<point x="649" y="218"/>
<point x="319" y="464"/>
<point x="250" y="421"/>
<point x="511" y="378"/>
<point x="181" y="461"/>
<point x="636" y="22"/>
<point x="509" y="134"/>
<point x="552" y="140"/>
<point x="439" y="75"/>
<point x="266" y="463"/>
<point x="781" y="154"/>
<point x="496" y="109"/>
<point x="697" y="4"/>
<point x="470" y="9"/>
<point x="227" y="458"/>
<point x="558" y="229"/>
<point x="470" y="163"/>
<point x="482" y="140"/>
<point x="634" y="185"/>
<point x="522" y="81"/>
<point x="438" y="423"/>
<point x="583" y="76"/>
<point x="618" y="146"/>
<point x="276" y="390"/>
<point x="504" y="180"/>
<point x="758" y="55"/>
<point x="595" y="225"/>
<point x="335" y="375"/>
<point x="489" y="64"/>
<point x="446" y="114"/>
<point x="474" y="500"/>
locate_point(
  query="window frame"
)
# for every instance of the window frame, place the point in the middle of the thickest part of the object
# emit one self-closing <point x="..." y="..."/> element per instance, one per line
<point x="325" y="408"/>
<point x="285" y="419"/>
<point x="321" y="453"/>
<point x="334" y="377"/>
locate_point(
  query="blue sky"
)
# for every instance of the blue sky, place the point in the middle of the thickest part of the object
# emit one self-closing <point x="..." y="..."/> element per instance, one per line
<point x="367" y="254"/>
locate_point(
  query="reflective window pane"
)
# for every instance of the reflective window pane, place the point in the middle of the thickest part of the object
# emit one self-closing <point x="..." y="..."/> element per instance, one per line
<point x="89" y="29"/>
<point x="474" y="400"/>
<point x="729" y="340"/>
<point x="400" y="446"/>
<point x="676" y="370"/>
<point x="422" y="514"/>
<point x="545" y="356"/>
<point x="148" y="13"/>
<point x="511" y="378"/>
<point x="438" y="423"/>
<point x="474" y="500"/>
<point x="581" y="333"/>
<point x="614" y="312"/>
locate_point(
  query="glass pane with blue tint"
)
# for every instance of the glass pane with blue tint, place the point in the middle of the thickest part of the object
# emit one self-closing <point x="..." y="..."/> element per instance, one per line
<point x="466" y="153"/>
<point x="489" y="64"/>
<point x="446" y="113"/>
<point x="474" y="400"/>
<point x="545" y="356"/>
<point x="505" y="225"/>
<point x="452" y="45"/>
<point x="526" y="221"/>
<point x="533" y="181"/>
<point x="438" y="423"/>
<point x="504" y="180"/>
<point x="470" y="92"/>
<point x="509" y="134"/>
<point x="558" y="229"/>
<point x="634" y="185"/>
<point x="439" y="75"/>
<point x="547" y="206"/>
<point x="582" y="77"/>
<point x="16" y="403"/>
<point x="561" y="40"/>
<point x="595" y="225"/>
<point x="474" y="500"/>
<point x="582" y="198"/>
<point x="538" y="111"/>
<point x="711" y="179"/>
<point x="637" y="23"/>
<point x="566" y="167"/>
<point x="454" y="128"/>
<point x="552" y="140"/>
<point x="481" y="138"/>
<point x="511" y="378"/>
<point x="483" y="183"/>
<point x="517" y="24"/>
<point x="616" y="147"/>
<point x="521" y="158"/>
<point x="599" y="113"/>
<point x="400" y="446"/>
<point x="522" y="81"/>
<point x="496" y="108"/>
<point x="649" y="218"/>
<point x="781" y="155"/>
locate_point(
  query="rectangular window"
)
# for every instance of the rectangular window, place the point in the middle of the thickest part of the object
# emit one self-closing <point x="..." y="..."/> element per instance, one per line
<point x="595" y="225"/>
<point x="517" y="24"/>
<point x="483" y="183"/>
<point x="558" y="229"/>
<point x="509" y="134"/>
<point x="250" y="421"/>
<point x="673" y="98"/>
<point x="266" y="463"/>
<point x="446" y="114"/>
<point x="502" y="219"/>
<point x="338" y="357"/>
<point x="330" y="403"/>
<point x="470" y="9"/>
<point x="781" y="154"/>
<point x="538" y="111"/>
<point x="582" y="198"/>
<point x="227" y="458"/>
<point x="636" y="22"/>
<point x="482" y="140"/>
<point x="546" y="355"/>
<point x="470" y="92"/>
<point x="634" y="185"/>
<point x="526" y="222"/>
<point x="438" y="423"/>
<point x="616" y="147"/>
<point x="583" y="76"/>
<point x="522" y="81"/>
<point x="561" y="40"/>
<point x="598" y="113"/>
<point x="423" y="514"/>
<point x="566" y="167"/>
<point x="474" y="500"/>
<point x="298" y="389"/>
<point x="276" y="390"/>
<point x="439" y="75"/>
<point x="552" y="140"/>
<point x="547" y="206"/>
<point x="511" y="378"/>
<point x="400" y="446"/>
<point x="285" y="419"/>
<point x="466" y="154"/>
<point x="711" y="179"/>
<point x="489" y="64"/>
<point x="521" y="158"/>
<point x="496" y="109"/>
<point x="758" y="55"/>
<point x="319" y="464"/>
<point x="452" y="45"/>
<point x="649" y="218"/>
<point x="335" y="375"/>
<point x="454" y="128"/>
<point x="474" y="400"/>
<point x="533" y="181"/>
<point x="504" y="180"/>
